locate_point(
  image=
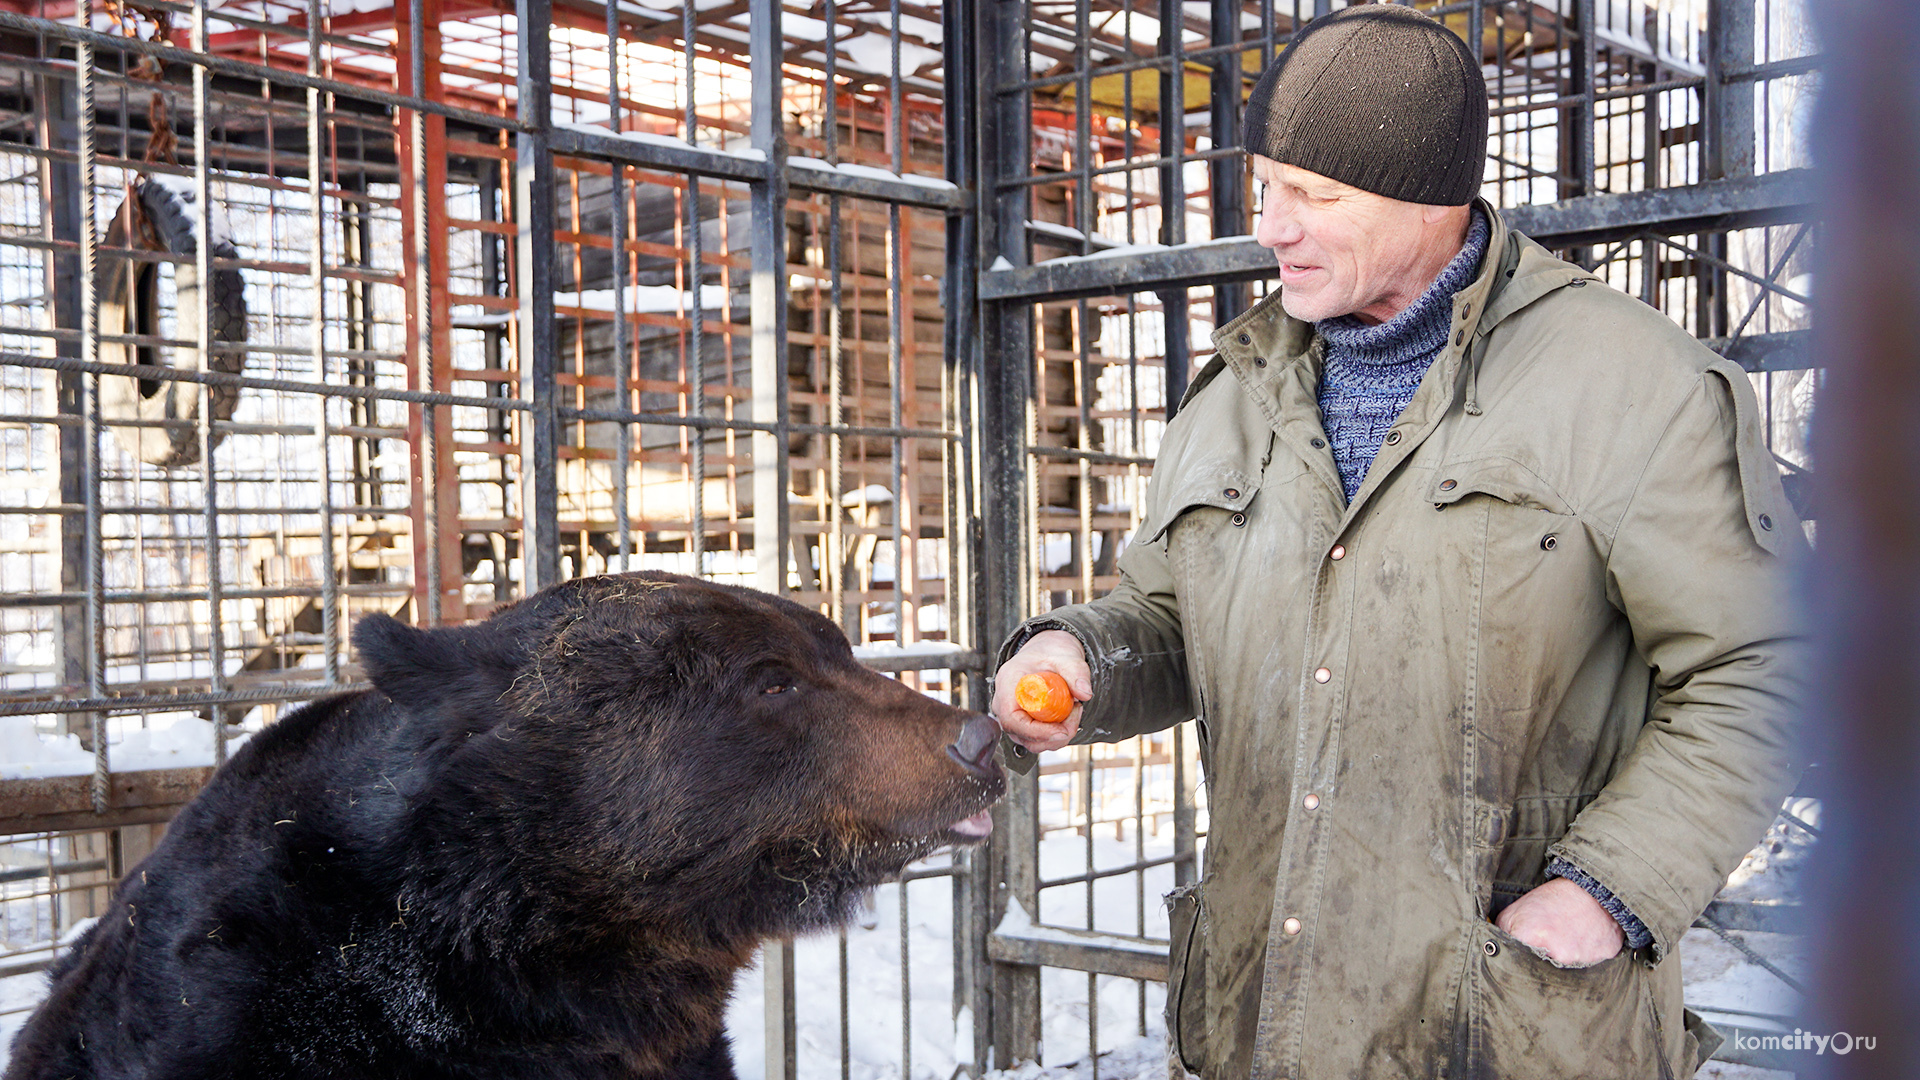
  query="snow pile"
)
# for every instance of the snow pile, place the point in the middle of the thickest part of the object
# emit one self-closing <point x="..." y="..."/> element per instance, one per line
<point x="26" y="752"/>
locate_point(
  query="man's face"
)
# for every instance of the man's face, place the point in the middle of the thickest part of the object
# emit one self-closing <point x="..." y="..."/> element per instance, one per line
<point x="1342" y="251"/>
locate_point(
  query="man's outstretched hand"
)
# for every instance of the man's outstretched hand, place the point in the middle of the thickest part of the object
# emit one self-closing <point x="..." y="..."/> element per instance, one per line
<point x="1049" y="650"/>
<point x="1564" y="921"/>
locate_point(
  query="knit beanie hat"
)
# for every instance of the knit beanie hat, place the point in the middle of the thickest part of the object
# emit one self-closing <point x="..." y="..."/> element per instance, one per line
<point x="1378" y="96"/>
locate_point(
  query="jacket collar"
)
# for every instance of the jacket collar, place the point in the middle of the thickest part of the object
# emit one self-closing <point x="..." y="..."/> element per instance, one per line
<point x="1276" y="358"/>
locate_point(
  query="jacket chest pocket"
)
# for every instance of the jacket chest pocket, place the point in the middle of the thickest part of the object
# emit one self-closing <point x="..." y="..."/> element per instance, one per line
<point x="1535" y="568"/>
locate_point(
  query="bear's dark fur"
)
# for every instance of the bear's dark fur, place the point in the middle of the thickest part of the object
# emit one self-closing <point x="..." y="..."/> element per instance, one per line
<point x="542" y="847"/>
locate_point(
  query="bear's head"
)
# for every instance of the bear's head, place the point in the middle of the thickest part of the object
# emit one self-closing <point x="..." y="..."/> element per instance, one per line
<point x="649" y="747"/>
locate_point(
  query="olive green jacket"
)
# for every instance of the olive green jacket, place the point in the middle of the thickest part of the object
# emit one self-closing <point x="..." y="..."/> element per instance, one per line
<point x="1553" y="622"/>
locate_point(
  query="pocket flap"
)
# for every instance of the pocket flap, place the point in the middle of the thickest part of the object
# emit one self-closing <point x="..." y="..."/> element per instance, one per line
<point x="1502" y="478"/>
<point x="1213" y="483"/>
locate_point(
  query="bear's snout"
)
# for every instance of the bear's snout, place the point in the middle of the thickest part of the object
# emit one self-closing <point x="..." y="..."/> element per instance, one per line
<point x="974" y="748"/>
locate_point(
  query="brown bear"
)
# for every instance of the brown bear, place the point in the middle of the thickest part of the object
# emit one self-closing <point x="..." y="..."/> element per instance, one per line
<point x="541" y="846"/>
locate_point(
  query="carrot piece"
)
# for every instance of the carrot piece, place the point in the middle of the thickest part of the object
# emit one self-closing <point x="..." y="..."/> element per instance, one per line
<point x="1044" y="695"/>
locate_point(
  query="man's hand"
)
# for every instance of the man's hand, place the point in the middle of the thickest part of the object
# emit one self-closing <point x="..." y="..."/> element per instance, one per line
<point x="1048" y="650"/>
<point x="1564" y="921"/>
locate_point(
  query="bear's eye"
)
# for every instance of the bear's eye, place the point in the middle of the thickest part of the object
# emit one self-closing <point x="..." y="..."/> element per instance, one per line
<point x="778" y="689"/>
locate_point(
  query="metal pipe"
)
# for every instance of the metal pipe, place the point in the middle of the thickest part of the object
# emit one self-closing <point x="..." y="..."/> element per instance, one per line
<point x="329" y="582"/>
<point x="90" y="355"/>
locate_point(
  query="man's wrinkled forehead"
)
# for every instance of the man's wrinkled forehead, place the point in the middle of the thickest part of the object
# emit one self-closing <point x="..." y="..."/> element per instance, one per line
<point x="1269" y="171"/>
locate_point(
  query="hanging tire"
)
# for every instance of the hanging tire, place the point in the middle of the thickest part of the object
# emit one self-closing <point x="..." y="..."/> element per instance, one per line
<point x="168" y="409"/>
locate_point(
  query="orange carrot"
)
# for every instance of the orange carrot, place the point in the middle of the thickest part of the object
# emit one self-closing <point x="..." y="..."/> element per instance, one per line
<point x="1044" y="695"/>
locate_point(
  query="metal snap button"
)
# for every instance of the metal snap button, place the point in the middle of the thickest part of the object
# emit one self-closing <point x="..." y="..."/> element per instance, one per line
<point x="1259" y="361"/>
<point x="1317" y="444"/>
<point x="1291" y="926"/>
<point x="1766" y="522"/>
<point x="1461" y="336"/>
<point x="1239" y="519"/>
<point x="1233" y="493"/>
<point x="1339" y="552"/>
<point x="1466" y="310"/>
<point x="1549" y="541"/>
<point x="1393" y="438"/>
<point x="1449" y="485"/>
<point x="1578" y="283"/>
<point x="1245" y="340"/>
<point x="1492" y="947"/>
<point x="1322" y="675"/>
<point x="1311" y="802"/>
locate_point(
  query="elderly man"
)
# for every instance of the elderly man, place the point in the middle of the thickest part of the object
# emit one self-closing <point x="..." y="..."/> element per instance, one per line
<point x="1472" y="569"/>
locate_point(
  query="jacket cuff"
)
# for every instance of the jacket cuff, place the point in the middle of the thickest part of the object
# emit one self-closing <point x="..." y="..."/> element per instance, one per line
<point x="1638" y="936"/>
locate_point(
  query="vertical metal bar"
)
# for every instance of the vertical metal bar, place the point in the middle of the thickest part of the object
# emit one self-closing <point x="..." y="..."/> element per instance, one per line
<point x="973" y="885"/>
<point x="776" y="966"/>
<point x="1729" y="136"/>
<point x="833" y="559"/>
<point x="1185" y="839"/>
<point x="846" y="1022"/>
<point x="906" y="988"/>
<point x="90" y="352"/>
<point x="1173" y="204"/>
<point x="1005" y="372"/>
<point x="534" y="206"/>
<point x="1865" y="584"/>
<point x="623" y="375"/>
<point x="330" y="571"/>
<point x="696" y="340"/>
<point x="903" y="508"/>
<point x="768" y="300"/>
<point x="1228" y="174"/>
<point x="769" y="307"/>
<point x="203" y="348"/>
<point x="421" y="264"/>
<point x="60" y="193"/>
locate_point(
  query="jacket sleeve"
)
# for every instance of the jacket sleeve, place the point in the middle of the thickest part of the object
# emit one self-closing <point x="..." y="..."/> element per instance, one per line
<point x="1701" y="564"/>
<point x="1134" y="648"/>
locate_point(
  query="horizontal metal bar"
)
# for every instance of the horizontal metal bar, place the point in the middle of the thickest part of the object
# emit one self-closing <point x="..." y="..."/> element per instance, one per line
<point x="614" y="416"/>
<point x="1709" y="207"/>
<point x="1097" y="457"/>
<point x="27" y="24"/>
<point x="1712" y="206"/>
<point x="1775" y="69"/>
<point x="28" y="873"/>
<point x="803" y="175"/>
<point x="1079" y="950"/>
<point x="1770" y="917"/>
<point x="175" y="702"/>
<point x="1787" y="350"/>
<point x="1116" y="871"/>
<point x="673" y="155"/>
<point x="1566" y="100"/>
<point x="248" y="382"/>
<point x="579" y="140"/>
<point x="1132" y="271"/>
<point x="954" y="661"/>
<point x="187" y="596"/>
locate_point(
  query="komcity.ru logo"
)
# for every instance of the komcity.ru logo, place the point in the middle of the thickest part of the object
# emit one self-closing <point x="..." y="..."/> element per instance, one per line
<point x="1840" y="1042"/>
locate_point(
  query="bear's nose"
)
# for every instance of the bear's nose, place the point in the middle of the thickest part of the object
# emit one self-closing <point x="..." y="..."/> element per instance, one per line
<point x="974" y="748"/>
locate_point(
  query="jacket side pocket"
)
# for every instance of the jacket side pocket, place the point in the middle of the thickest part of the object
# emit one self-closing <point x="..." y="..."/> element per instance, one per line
<point x="1186" y="979"/>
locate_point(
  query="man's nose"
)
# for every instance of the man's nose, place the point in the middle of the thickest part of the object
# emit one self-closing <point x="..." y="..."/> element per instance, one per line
<point x="1276" y="226"/>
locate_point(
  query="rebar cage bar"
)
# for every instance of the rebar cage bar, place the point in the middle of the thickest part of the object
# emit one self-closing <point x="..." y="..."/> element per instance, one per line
<point x="881" y="305"/>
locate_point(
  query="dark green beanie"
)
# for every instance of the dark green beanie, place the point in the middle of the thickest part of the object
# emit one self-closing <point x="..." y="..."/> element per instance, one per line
<point x="1381" y="97"/>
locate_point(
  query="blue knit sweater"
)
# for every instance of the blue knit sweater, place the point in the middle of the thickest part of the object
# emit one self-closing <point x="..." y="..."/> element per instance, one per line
<point x="1370" y="372"/>
<point x="1368" y="376"/>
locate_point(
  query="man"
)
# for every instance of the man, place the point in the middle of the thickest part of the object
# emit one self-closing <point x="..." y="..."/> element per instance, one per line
<point x="1472" y="569"/>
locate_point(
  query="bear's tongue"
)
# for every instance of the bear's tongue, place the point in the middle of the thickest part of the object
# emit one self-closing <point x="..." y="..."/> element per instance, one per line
<point x="978" y="825"/>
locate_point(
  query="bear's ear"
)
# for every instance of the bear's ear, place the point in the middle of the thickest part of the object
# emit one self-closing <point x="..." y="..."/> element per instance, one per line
<point x="418" y="667"/>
